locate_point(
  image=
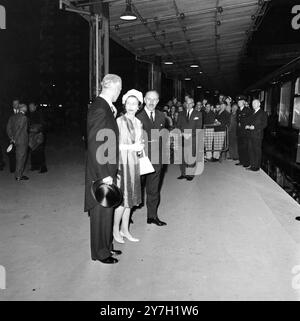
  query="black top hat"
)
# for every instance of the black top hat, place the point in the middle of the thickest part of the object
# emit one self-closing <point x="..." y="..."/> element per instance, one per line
<point x="106" y="195"/>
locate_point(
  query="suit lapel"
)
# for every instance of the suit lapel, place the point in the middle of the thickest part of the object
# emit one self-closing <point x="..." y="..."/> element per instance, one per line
<point x="146" y="118"/>
<point x="156" y="120"/>
<point x="109" y="112"/>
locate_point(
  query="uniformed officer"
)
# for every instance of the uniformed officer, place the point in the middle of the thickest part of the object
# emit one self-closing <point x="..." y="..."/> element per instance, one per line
<point x="242" y="134"/>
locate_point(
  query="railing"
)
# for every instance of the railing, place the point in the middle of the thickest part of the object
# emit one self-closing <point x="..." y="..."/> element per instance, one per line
<point x="215" y="142"/>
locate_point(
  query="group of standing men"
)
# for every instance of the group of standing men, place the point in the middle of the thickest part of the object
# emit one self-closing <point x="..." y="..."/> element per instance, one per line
<point x="25" y="131"/>
<point x="250" y="131"/>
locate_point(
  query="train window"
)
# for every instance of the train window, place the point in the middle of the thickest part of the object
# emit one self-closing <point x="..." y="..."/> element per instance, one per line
<point x="296" y="114"/>
<point x="297" y="86"/>
<point x="268" y="101"/>
<point x="261" y="96"/>
<point x="285" y="98"/>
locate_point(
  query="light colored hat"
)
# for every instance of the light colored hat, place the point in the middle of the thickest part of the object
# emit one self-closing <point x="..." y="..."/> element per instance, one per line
<point x="135" y="93"/>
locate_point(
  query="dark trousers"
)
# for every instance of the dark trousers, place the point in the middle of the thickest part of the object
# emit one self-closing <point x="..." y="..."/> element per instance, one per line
<point x="255" y="152"/>
<point x="187" y="169"/>
<point x="233" y="147"/>
<point x="12" y="161"/>
<point x="152" y="184"/>
<point x="38" y="158"/>
<point x="243" y="150"/>
<point x="21" y="155"/>
<point x="1" y="157"/>
<point x="188" y="166"/>
<point x="101" y="223"/>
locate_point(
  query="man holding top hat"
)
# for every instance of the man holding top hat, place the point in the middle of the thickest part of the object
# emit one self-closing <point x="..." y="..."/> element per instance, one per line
<point x="102" y="165"/>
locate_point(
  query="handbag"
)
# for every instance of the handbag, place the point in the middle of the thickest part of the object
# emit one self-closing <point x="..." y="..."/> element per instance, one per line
<point x="145" y="165"/>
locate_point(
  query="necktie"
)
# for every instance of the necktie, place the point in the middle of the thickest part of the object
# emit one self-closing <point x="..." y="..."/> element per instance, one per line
<point x="188" y="115"/>
<point x="114" y="110"/>
<point x="151" y="116"/>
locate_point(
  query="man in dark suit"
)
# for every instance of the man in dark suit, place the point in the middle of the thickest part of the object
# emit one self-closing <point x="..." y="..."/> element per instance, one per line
<point x="17" y="131"/>
<point x="153" y="119"/>
<point x="242" y="134"/>
<point x="191" y="120"/>
<point x="37" y="141"/>
<point x="103" y="165"/>
<point x="2" y="137"/>
<point x="12" y="154"/>
<point x="255" y="125"/>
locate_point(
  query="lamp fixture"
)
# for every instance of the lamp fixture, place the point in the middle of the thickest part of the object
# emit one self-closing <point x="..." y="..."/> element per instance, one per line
<point x="187" y="78"/>
<point x="199" y="87"/>
<point x="128" y="15"/>
<point x="168" y="60"/>
<point x="194" y="65"/>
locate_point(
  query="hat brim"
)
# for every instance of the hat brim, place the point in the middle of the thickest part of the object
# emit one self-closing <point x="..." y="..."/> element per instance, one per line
<point x="106" y="195"/>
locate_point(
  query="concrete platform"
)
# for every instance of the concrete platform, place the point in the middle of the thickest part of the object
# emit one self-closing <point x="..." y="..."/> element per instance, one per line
<point x="231" y="235"/>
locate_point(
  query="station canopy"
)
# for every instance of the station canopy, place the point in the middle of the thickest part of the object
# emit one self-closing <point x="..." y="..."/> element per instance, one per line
<point x="210" y="34"/>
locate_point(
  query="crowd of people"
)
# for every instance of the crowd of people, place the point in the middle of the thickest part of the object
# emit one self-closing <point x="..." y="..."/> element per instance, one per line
<point x="26" y="135"/>
<point x="134" y="132"/>
<point x="229" y="127"/>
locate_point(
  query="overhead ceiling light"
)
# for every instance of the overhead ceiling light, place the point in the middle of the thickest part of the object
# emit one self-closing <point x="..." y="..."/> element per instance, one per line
<point x="199" y="87"/>
<point x="187" y="78"/>
<point x="168" y="60"/>
<point x="200" y="72"/>
<point x="194" y="66"/>
<point x="128" y="15"/>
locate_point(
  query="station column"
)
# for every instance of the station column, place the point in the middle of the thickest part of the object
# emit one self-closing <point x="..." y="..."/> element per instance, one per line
<point x="99" y="47"/>
<point x="154" y="75"/>
<point x="177" y="88"/>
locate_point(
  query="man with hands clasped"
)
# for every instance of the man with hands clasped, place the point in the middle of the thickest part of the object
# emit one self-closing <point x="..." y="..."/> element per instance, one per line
<point x="255" y="125"/>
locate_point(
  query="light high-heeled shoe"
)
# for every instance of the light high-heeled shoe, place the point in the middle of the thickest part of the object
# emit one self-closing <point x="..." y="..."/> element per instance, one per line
<point x="119" y="239"/>
<point x="129" y="237"/>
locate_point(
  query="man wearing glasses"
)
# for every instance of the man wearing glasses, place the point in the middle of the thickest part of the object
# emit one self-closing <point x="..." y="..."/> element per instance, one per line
<point x="152" y="121"/>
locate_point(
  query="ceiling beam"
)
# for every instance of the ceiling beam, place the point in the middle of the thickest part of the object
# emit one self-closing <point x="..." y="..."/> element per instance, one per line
<point x="187" y="14"/>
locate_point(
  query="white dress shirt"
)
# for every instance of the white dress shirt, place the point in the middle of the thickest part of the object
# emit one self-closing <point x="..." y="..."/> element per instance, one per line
<point x="149" y="113"/>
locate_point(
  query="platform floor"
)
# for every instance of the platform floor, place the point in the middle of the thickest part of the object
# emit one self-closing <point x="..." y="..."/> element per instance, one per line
<point x="231" y="235"/>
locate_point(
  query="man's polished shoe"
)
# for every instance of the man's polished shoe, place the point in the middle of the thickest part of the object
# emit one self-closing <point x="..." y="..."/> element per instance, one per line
<point x="253" y="169"/>
<point x="116" y="252"/>
<point x="246" y="165"/>
<point x="189" y="178"/>
<point x="238" y="164"/>
<point x="22" y="178"/>
<point x="181" y="177"/>
<point x="156" y="221"/>
<point x="108" y="260"/>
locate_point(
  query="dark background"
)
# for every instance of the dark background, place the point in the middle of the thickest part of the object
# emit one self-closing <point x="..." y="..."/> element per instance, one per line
<point x="44" y="56"/>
